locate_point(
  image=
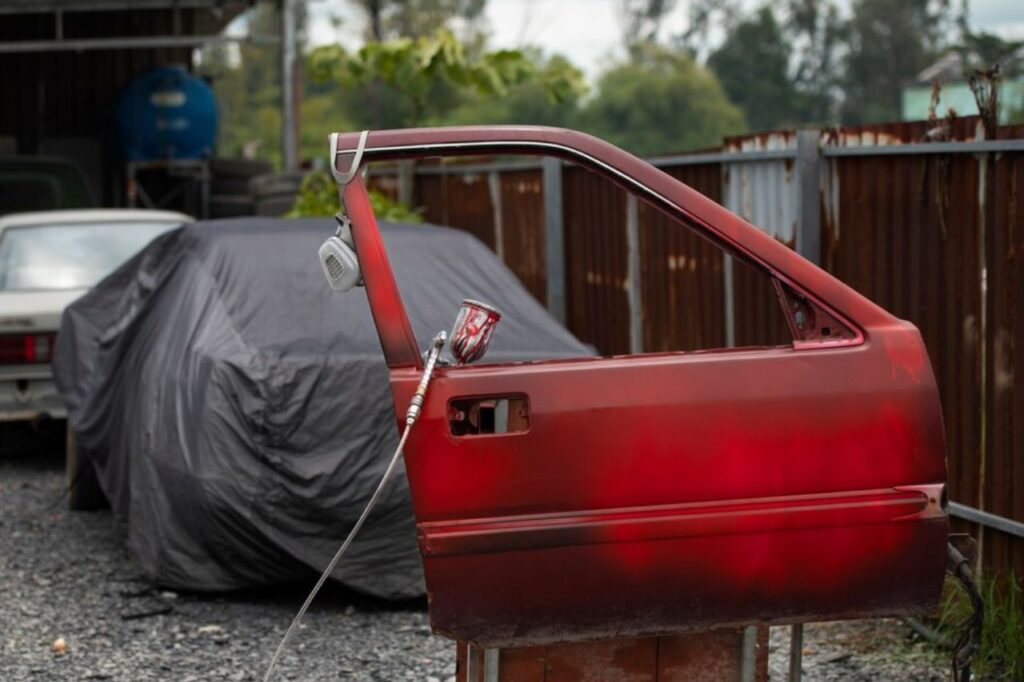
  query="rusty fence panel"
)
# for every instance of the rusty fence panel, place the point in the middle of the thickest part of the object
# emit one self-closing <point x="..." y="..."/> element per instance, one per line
<point x="1003" y="467"/>
<point x="596" y="253"/>
<point x="521" y="209"/>
<point x="682" y="286"/>
<point x="461" y="200"/>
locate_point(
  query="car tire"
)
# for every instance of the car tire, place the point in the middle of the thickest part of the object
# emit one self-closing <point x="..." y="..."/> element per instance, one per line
<point x="84" y="492"/>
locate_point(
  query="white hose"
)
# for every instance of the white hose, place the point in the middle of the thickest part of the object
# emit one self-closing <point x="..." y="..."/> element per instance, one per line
<point x="410" y="418"/>
<point x="338" y="554"/>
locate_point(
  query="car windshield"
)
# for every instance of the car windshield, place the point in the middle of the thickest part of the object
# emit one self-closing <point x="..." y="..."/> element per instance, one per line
<point x="73" y="256"/>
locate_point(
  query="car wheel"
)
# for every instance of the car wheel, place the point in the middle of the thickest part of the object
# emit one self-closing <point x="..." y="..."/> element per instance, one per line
<point x="84" y="492"/>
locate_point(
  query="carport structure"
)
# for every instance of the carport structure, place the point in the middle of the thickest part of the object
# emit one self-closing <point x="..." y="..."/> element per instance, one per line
<point x="64" y="62"/>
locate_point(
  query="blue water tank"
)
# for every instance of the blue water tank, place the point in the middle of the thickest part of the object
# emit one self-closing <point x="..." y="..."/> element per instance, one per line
<point x="167" y="114"/>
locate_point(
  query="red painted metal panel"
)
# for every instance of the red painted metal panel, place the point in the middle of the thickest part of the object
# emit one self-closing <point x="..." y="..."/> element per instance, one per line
<point x="396" y="337"/>
<point x="659" y="493"/>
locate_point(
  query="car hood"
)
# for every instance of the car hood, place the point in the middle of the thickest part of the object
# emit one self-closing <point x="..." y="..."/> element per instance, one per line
<point x="34" y="310"/>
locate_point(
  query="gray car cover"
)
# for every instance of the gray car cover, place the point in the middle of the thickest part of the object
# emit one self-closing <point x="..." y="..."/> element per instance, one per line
<point x="238" y="411"/>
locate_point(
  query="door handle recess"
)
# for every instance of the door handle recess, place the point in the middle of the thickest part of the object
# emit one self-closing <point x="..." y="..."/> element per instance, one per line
<point x="488" y="415"/>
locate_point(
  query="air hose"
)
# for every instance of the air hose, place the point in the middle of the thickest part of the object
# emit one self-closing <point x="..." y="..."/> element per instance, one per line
<point x="966" y="644"/>
<point x="411" y="416"/>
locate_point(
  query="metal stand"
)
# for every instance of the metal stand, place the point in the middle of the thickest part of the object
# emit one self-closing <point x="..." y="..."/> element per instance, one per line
<point x="796" y="652"/>
<point x="737" y="655"/>
<point x="197" y="170"/>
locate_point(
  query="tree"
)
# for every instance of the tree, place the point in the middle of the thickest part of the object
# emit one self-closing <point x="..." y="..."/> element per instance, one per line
<point x="982" y="50"/>
<point x="889" y="43"/>
<point x="642" y="19"/>
<point x="247" y="84"/>
<point x="752" y="65"/>
<point x="816" y="34"/>
<point x="661" y="101"/>
<point x="413" y="70"/>
<point x="705" y="17"/>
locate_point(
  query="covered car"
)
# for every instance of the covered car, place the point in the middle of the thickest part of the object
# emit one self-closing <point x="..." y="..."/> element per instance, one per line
<point x="238" y="413"/>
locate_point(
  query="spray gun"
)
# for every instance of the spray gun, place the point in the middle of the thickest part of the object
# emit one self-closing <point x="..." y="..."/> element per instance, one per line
<point x="470" y="338"/>
<point x="416" y="404"/>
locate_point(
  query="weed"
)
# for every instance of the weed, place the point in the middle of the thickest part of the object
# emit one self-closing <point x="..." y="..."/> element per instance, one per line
<point x="1000" y="655"/>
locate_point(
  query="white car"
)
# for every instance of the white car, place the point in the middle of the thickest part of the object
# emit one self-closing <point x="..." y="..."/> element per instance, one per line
<point x="47" y="260"/>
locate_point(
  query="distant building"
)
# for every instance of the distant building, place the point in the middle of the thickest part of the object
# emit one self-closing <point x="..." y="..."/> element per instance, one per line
<point x="956" y="93"/>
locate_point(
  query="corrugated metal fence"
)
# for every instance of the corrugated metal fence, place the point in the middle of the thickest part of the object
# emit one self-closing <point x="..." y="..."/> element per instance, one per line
<point x="933" y="231"/>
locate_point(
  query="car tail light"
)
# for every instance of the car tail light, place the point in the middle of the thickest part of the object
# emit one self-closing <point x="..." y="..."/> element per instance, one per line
<point x="21" y="349"/>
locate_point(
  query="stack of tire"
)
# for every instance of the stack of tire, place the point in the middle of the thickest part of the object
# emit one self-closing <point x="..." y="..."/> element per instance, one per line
<point x="242" y="187"/>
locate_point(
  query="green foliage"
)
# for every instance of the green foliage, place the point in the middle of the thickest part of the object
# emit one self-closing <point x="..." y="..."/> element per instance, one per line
<point x="1000" y="655"/>
<point x="529" y="102"/>
<point x="414" y="68"/>
<point x="318" y="197"/>
<point x="660" y="101"/>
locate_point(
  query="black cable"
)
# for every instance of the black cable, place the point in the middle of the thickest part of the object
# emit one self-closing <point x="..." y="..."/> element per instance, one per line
<point x="966" y="643"/>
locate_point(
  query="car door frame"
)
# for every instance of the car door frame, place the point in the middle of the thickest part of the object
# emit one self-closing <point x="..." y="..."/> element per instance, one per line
<point x="482" y="538"/>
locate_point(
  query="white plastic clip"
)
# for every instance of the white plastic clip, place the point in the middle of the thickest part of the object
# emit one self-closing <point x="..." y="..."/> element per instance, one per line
<point x="347" y="176"/>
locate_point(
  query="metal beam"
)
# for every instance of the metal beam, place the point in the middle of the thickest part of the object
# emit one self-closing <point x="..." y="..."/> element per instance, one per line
<point x="808" y="183"/>
<point x="497" y="214"/>
<point x="126" y="43"/>
<point x="986" y="519"/>
<point x="44" y="6"/>
<point x="978" y="147"/>
<point x="748" y="654"/>
<point x="796" y="652"/>
<point x="289" y="114"/>
<point x="722" y="157"/>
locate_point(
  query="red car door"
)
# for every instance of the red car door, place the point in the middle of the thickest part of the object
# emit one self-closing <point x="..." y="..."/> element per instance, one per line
<point x="650" y="494"/>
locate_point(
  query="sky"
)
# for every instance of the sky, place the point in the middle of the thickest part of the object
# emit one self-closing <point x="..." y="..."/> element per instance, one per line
<point x="588" y="32"/>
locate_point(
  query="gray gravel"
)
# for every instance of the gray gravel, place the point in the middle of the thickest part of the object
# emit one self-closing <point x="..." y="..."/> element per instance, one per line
<point x="859" y="651"/>
<point x="68" y="575"/>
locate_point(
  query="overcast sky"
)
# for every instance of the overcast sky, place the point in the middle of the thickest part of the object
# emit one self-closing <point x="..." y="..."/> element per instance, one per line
<point x="587" y="31"/>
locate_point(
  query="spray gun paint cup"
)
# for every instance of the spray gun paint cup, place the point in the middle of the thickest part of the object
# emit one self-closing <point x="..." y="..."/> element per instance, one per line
<point x="472" y="331"/>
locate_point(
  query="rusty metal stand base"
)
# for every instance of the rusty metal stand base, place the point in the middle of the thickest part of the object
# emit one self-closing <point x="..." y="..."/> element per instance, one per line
<point x="717" y="656"/>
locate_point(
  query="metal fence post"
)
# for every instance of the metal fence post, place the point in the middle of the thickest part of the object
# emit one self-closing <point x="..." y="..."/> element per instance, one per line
<point x="494" y="188"/>
<point x="633" y="278"/>
<point x="748" y="654"/>
<point x="554" y="237"/>
<point x="808" y="176"/>
<point x="796" y="652"/>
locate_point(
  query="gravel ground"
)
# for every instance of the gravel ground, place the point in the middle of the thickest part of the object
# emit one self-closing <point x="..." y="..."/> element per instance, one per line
<point x="67" y="575"/>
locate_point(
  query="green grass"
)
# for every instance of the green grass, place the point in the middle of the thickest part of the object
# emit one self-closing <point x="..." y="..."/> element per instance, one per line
<point x="1000" y="655"/>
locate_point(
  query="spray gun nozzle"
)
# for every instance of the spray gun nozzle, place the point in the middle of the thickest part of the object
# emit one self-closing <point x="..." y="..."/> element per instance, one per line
<point x="416" y="404"/>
